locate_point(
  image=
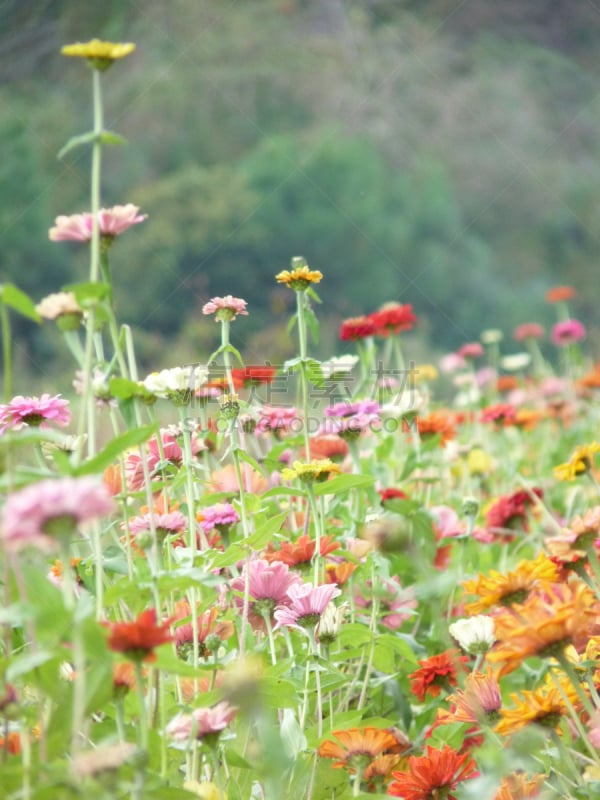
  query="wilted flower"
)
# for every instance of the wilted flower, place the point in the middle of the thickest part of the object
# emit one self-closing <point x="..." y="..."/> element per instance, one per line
<point x="36" y="412"/>
<point x="111" y="222"/>
<point x="328" y="627"/>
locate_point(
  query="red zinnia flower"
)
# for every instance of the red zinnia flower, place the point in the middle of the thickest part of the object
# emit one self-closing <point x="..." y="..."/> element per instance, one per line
<point x="301" y="551"/>
<point x="510" y="511"/>
<point x="138" y="639"/>
<point x="436" y="673"/>
<point x="391" y="494"/>
<point x="433" y="775"/>
<point x="253" y="376"/>
<point x="558" y="294"/>
<point x="357" y="328"/>
<point x="393" y="318"/>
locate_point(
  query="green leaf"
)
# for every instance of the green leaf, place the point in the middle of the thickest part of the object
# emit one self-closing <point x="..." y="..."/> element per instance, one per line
<point x="284" y="490"/>
<point x="409" y="465"/>
<point x="314" y="373"/>
<point x="312" y="323"/>
<point x="343" y="483"/>
<point x="78" y="141"/>
<point x="265" y="532"/>
<point x="18" y="301"/>
<point x="24" y="664"/>
<point x="111" y="138"/>
<point x="123" y="388"/>
<point x="292" y="737"/>
<point x="249" y="460"/>
<point x="115" y="448"/>
<point x="236" y="353"/>
<point x="166" y="660"/>
<point x="88" y="294"/>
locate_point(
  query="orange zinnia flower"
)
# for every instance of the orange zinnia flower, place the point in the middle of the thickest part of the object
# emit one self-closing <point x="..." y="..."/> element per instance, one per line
<point x="137" y="639"/>
<point x="559" y="294"/>
<point x="437" y="422"/>
<point x="301" y="551"/>
<point x="357" y="746"/>
<point x="433" y="775"/>
<point x="436" y="673"/>
<point x="497" y="589"/>
<point x="544" y="625"/>
<point x="544" y="707"/>
<point x="339" y="573"/>
<point x="12" y="743"/>
<point x="518" y="786"/>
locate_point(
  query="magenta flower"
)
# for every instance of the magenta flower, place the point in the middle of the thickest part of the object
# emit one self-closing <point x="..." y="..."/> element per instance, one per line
<point x="568" y="332"/>
<point x="350" y="409"/>
<point x="528" y="330"/>
<point x="221" y="514"/>
<point x="40" y="512"/>
<point x="226" y="308"/>
<point x="306" y="604"/>
<point x="111" y="223"/>
<point x="37" y="412"/>
<point x="201" y="722"/>
<point x="269" y="584"/>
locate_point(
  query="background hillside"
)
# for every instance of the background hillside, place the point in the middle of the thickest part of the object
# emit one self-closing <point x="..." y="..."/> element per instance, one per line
<point x="444" y="154"/>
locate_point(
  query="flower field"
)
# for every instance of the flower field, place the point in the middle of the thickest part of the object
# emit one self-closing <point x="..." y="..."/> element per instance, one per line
<point x="353" y="577"/>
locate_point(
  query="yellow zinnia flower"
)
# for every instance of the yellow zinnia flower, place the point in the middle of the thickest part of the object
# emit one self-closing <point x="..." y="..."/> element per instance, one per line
<point x="300" y="276"/>
<point x="318" y="470"/>
<point x="581" y="461"/>
<point x="99" y="54"/>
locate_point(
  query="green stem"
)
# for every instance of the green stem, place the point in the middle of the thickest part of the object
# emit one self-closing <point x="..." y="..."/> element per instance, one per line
<point x="318" y="532"/>
<point x="301" y="306"/>
<point x="6" y="351"/>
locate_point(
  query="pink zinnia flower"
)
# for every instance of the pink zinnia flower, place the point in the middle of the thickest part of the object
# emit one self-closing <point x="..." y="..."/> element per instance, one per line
<point x="174" y="522"/>
<point x="277" y="418"/>
<point x="396" y="604"/>
<point x="470" y="350"/>
<point x="568" y="332"/>
<point x="528" y="330"/>
<point x="172" y="452"/>
<point x="36" y="514"/>
<point x="201" y="722"/>
<point x="34" y="411"/>
<point x="221" y="514"/>
<point x="452" y="362"/>
<point x="306" y="604"/>
<point x="111" y="223"/>
<point x="447" y="522"/>
<point x="226" y="308"/>
<point x="269" y="584"/>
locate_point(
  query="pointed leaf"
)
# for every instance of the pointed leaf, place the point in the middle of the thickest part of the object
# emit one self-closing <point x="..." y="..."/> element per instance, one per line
<point x="18" y="301"/>
<point x="111" y="138"/>
<point x="343" y="483"/>
<point x="115" y="448"/>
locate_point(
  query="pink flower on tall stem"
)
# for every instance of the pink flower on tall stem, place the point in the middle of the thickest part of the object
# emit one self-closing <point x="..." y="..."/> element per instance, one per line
<point x="218" y="515"/>
<point x="173" y="522"/>
<point x="171" y="452"/>
<point x="36" y="412"/>
<point x="306" y="604"/>
<point x="38" y="514"/>
<point x="470" y="350"/>
<point x="201" y="723"/>
<point x="269" y="584"/>
<point x="279" y="419"/>
<point x="225" y="308"/>
<point x="111" y="222"/>
<point x="570" y="331"/>
<point x="528" y="330"/>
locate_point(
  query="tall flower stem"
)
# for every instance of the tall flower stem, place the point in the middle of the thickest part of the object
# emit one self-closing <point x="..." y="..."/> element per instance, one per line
<point x="318" y="523"/>
<point x="301" y="309"/>
<point x="87" y="399"/>
<point x="6" y="351"/>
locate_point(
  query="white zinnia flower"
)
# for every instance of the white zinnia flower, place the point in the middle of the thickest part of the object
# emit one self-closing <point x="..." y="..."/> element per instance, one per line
<point x="475" y="634"/>
<point x="176" y="380"/>
<point x="515" y="362"/>
<point x="338" y="365"/>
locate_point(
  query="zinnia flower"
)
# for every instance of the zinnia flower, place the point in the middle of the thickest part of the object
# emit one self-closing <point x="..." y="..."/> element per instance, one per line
<point x="517" y="786"/>
<point x="436" y="673"/>
<point x="475" y="634"/>
<point x="225" y="308"/>
<point x="311" y="472"/>
<point x="177" y="383"/>
<point x="37" y="412"/>
<point x="306" y="604"/>
<point x="300" y="277"/>
<point x="111" y="222"/>
<point x="100" y="54"/>
<point x="559" y="294"/>
<point x="470" y="350"/>
<point x="60" y="305"/>
<point x="219" y="515"/>
<point x="137" y="639"/>
<point x="393" y="318"/>
<point x="268" y="585"/>
<point x="528" y="330"/>
<point x="356" y="746"/>
<point x="206" y="625"/>
<point x="357" y="328"/>
<point x="544" y="707"/>
<point x="569" y="331"/>
<point x="37" y="514"/>
<point x="433" y="775"/>
<point x="580" y="462"/>
<point x="301" y="552"/>
<point x="202" y="723"/>
<point x="478" y="702"/>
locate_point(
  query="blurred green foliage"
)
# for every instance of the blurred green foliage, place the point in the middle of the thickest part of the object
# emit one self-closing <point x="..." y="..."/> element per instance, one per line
<point x="435" y="153"/>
